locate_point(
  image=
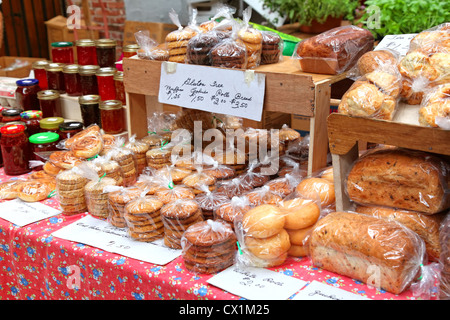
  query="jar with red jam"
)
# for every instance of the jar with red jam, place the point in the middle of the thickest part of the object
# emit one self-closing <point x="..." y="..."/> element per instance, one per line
<point x="88" y="79"/>
<point x="62" y="52"/>
<point x="106" y="52"/>
<point x="86" y="52"/>
<point x="69" y="129"/>
<point x="40" y="74"/>
<point x="105" y="81"/>
<point x="26" y="94"/>
<point x="42" y="145"/>
<point x="112" y="116"/>
<point x="32" y="118"/>
<point x="51" y="124"/>
<point x="89" y="107"/>
<point x="72" y="80"/>
<point x="11" y="115"/>
<point x="15" y="149"/>
<point x="120" y="88"/>
<point x="55" y="77"/>
<point x="130" y="50"/>
<point x="49" y="103"/>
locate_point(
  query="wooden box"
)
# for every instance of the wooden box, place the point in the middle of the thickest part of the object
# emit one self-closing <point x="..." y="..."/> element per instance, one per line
<point x="158" y="31"/>
<point x="21" y="72"/>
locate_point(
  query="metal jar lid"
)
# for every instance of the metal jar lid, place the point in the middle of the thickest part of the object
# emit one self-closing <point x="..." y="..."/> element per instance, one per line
<point x="88" y="70"/>
<point x="85" y="43"/>
<point x="110" y="105"/>
<point x="48" y="95"/>
<point x="118" y="76"/>
<point x="89" y="99"/>
<point x="105" y="43"/>
<point x="55" y="67"/>
<point x="41" y="64"/>
<point x="71" y="68"/>
<point x="106" y="71"/>
<point x="131" y="48"/>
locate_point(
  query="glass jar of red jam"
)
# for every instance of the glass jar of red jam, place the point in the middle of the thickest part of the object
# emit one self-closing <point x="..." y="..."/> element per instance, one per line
<point x="130" y="50"/>
<point x="106" y="52"/>
<point x="42" y="144"/>
<point x="105" y="81"/>
<point x="88" y="79"/>
<point x="15" y="149"/>
<point x="72" y="80"/>
<point x="112" y="116"/>
<point x="120" y="88"/>
<point x="26" y="94"/>
<point x="49" y="103"/>
<point x="55" y="77"/>
<point x="40" y="74"/>
<point x="86" y="52"/>
<point x="51" y="124"/>
<point x="89" y="107"/>
<point x="62" y="52"/>
<point x="69" y="129"/>
<point x="10" y="115"/>
<point x="32" y="118"/>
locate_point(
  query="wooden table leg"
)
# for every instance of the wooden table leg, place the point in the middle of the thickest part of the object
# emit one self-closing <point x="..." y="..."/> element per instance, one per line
<point x="341" y="166"/>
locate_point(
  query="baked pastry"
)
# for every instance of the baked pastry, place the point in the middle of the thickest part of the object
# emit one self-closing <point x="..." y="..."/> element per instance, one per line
<point x="271" y="47"/>
<point x="176" y="43"/>
<point x="8" y="189"/>
<point x="435" y="107"/>
<point x="344" y="243"/>
<point x="63" y="159"/>
<point x="86" y="143"/>
<point x="373" y="60"/>
<point x="335" y="50"/>
<point x="34" y="190"/>
<point x="317" y="189"/>
<point x="252" y="40"/>
<point x="229" y="54"/>
<point x="399" y="178"/>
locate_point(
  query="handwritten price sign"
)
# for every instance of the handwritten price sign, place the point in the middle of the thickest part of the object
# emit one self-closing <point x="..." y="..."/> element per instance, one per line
<point x="233" y="92"/>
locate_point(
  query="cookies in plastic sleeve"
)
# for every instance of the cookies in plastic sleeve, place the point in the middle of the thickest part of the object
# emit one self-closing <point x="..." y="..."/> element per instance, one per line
<point x="286" y="185"/>
<point x="208" y="247"/>
<point x="176" y="41"/>
<point x="231" y="210"/>
<point x="70" y="191"/>
<point x="262" y="195"/>
<point x="272" y="47"/>
<point x="234" y="187"/>
<point x="252" y="39"/>
<point x="198" y="181"/>
<point x="139" y="149"/>
<point x="168" y="191"/>
<point x="126" y="160"/>
<point x="210" y="200"/>
<point x="118" y="197"/>
<point x="435" y="107"/>
<point x="149" y="49"/>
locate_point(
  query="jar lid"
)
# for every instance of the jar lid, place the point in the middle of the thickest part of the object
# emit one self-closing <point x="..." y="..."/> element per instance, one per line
<point x="105" y="43"/>
<point x="41" y="64"/>
<point x="12" y="128"/>
<point x="110" y="104"/>
<point x="71" y="68"/>
<point x="54" y="66"/>
<point x="88" y="69"/>
<point x="85" y="43"/>
<point x="62" y="44"/>
<point x="89" y="99"/>
<point x="51" y="122"/>
<point x="131" y="48"/>
<point x="31" y="114"/>
<point x="118" y="76"/>
<point x="44" y="137"/>
<point x="48" y="94"/>
<point x="106" y="71"/>
<point x="11" y="112"/>
<point x="27" y="82"/>
<point x="70" y="125"/>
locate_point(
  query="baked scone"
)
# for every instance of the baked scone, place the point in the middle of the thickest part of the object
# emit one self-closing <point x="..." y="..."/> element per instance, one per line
<point x="436" y="104"/>
<point x="373" y="60"/>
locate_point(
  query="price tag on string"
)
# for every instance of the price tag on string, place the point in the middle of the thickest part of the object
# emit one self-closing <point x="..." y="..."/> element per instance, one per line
<point x="233" y="92"/>
<point x="396" y="42"/>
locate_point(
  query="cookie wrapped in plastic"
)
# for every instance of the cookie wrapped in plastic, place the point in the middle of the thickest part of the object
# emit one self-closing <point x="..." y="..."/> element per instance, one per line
<point x="232" y="210"/>
<point x="118" y="197"/>
<point x="435" y="107"/>
<point x="148" y="48"/>
<point x="272" y="47"/>
<point x="251" y="38"/>
<point x="70" y="191"/>
<point x="210" y="200"/>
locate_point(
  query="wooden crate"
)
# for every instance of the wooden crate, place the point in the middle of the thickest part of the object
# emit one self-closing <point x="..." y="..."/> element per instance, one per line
<point x="348" y="135"/>
<point x="288" y="90"/>
<point x="21" y="72"/>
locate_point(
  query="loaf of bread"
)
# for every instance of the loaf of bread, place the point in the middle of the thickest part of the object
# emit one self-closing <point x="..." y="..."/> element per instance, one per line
<point x="400" y="178"/>
<point x="382" y="253"/>
<point x="334" y="51"/>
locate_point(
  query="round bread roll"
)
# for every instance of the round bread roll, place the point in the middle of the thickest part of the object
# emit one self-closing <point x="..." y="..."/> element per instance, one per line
<point x="328" y="174"/>
<point x="299" y="237"/>
<point x="317" y="187"/>
<point x="263" y="221"/>
<point x="298" y="251"/>
<point x="300" y="213"/>
<point x="269" y="248"/>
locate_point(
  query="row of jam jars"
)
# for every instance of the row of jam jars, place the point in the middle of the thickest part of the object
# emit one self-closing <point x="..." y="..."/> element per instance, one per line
<point x="86" y="52"/>
<point x="26" y="94"/>
<point x="72" y="80"/>
<point x="15" y="149"/>
<point x="40" y="74"/>
<point x="62" y="52"/>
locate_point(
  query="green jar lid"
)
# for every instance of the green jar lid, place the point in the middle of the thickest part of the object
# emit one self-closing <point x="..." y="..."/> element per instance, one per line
<point x="44" y="137"/>
<point x="51" y="122"/>
<point x="62" y="44"/>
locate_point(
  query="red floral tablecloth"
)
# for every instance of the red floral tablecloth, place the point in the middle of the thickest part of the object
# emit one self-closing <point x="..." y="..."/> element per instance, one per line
<point x="35" y="265"/>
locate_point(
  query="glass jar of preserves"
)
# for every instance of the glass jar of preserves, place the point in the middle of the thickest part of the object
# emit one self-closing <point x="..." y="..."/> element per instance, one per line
<point x="62" y="52"/>
<point x="40" y="74"/>
<point x="15" y="149"/>
<point x="72" y="80"/>
<point x="55" y="77"/>
<point x="112" y="116"/>
<point x="10" y="115"/>
<point x="51" y="124"/>
<point x="49" y="103"/>
<point x="86" y="52"/>
<point x="106" y="52"/>
<point x="69" y="129"/>
<point x="88" y="79"/>
<point x="105" y="81"/>
<point x="120" y="88"/>
<point x="90" y="112"/>
<point x="130" y="50"/>
<point x="32" y="118"/>
<point x="42" y="144"/>
<point x="26" y="94"/>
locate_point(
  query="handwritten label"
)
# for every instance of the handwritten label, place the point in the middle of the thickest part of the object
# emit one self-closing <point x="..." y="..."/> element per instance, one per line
<point x="396" y="42"/>
<point x="100" y="234"/>
<point x="256" y="283"/>
<point x="22" y="213"/>
<point x="321" y="291"/>
<point x="226" y="91"/>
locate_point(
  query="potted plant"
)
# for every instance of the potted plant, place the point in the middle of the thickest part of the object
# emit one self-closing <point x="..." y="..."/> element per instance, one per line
<point x="314" y="16"/>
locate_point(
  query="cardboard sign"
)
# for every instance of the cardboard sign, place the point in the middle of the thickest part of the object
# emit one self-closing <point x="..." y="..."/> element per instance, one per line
<point x="396" y="42"/>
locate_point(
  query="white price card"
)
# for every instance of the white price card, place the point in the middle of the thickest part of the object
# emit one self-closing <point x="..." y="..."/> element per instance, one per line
<point x="232" y="92"/>
<point x="396" y="42"/>
<point x="101" y="234"/>
<point x="321" y="291"/>
<point x="22" y="213"/>
<point x="256" y="283"/>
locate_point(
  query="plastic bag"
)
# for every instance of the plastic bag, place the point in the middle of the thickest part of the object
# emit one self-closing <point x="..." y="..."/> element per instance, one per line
<point x="272" y="47"/>
<point x="118" y="197"/>
<point x="139" y="149"/>
<point x="234" y="187"/>
<point x="333" y="51"/>
<point x="284" y="186"/>
<point x="435" y="107"/>
<point x="262" y="195"/>
<point x="198" y="180"/>
<point x="252" y="39"/>
<point x="432" y="40"/>
<point x="231" y="210"/>
<point x="109" y="168"/>
<point x="168" y="191"/>
<point x="31" y="190"/>
<point x="209" y="201"/>
<point x="126" y="160"/>
<point x="220" y="172"/>
<point x="148" y="48"/>
<point x="208" y="247"/>
<point x="87" y="143"/>
<point x="63" y="159"/>
<point x="70" y="191"/>
<point x="374" y="60"/>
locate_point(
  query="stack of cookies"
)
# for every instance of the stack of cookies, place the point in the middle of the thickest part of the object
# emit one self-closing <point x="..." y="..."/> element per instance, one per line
<point x="233" y="158"/>
<point x="177" y="42"/>
<point x="96" y="198"/>
<point x="229" y="54"/>
<point x="199" y="182"/>
<point x="70" y="190"/>
<point x="177" y="216"/>
<point x="139" y="149"/>
<point x="271" y="47"/>
<point x="176" y="174"/>
<point x="209" y="201"/>
<point x="158" y="158"/>
<point x="232" y="210"/>
<point x="113" y="170"/>
<point x="252" y="40"/>
<point x="125" y="159"/>
<point x="198" y="48"/>
<point x="208" y="246"/>
<point x="116" y="204"/>
<point x="143" y="218"/>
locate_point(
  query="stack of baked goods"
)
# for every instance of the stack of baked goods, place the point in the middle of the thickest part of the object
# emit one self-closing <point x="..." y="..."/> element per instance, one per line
<point x="232" y="210"/>
<point x="177" y="40"/>
<point x="149" y="49"/>
<point x="70" y="191"/>
<point x="251" y="39"/>
<point x="139" y="149"/>
<point x="117" y="199"/>
<point x="272" y="47"/>
<point x="209" y="201"/>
